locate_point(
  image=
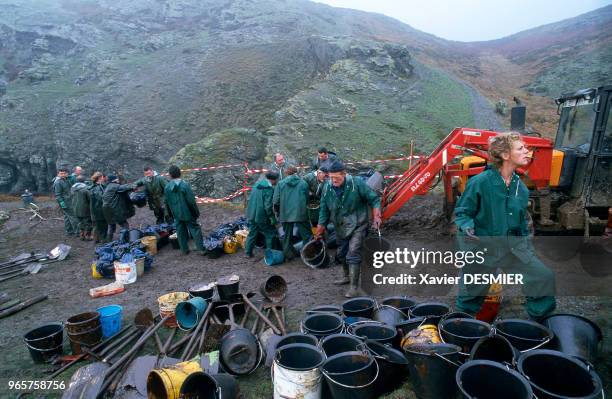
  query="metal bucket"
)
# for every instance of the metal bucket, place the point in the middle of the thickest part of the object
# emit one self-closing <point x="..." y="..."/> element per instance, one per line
<point x="432" y="370"/>
<point x="524" y="335"/>
<point x="555" y="375"/>
<point x="204" y="291"/>
<point x="485" y="379"/>
<point x="296" y="373"/>
<point x="463" y="332"/>
<point x="240" y="352"/>
<point x="575" y="335"/>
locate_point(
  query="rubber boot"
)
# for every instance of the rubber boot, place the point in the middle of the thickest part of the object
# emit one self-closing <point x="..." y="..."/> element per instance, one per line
<point x="345" y="276"/>
<point x="354" y="289"/>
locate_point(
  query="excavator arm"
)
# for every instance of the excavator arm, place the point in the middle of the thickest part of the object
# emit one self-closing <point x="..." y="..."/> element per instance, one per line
<point x="442" y="161"/>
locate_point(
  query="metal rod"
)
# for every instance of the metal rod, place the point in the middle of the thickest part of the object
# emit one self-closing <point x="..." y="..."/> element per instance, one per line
<point x="134" y="335"/>
<point x="261" y="315"/>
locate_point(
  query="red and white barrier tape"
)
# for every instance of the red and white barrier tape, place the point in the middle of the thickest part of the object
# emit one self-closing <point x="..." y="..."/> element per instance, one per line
<point x="207" y="200"/>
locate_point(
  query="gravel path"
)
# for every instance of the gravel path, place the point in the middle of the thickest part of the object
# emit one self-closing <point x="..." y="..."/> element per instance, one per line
<point x="482" y="110"/>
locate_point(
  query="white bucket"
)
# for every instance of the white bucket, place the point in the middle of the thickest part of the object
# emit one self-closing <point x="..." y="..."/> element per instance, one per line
<point x="297" y="375"/>
<point x="125" y="273"/>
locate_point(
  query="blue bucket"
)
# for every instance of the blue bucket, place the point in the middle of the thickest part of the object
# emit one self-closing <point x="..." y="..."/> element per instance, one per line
<point x="110" y="319"/>
<point x="273" y="257"/>
<point x="188" y="313"/>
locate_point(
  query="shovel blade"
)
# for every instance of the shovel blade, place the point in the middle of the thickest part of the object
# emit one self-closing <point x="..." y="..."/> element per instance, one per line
<point x="86" y="382"/>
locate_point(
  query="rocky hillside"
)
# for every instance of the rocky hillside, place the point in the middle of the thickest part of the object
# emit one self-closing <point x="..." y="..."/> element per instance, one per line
<point x="116" y="85"/>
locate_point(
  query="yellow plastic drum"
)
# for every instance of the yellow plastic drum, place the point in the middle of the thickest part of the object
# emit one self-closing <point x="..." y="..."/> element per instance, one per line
<point x="167" y="382"/>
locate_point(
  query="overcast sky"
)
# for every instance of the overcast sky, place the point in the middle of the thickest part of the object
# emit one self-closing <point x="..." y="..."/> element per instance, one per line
<point x="472" y="20"/>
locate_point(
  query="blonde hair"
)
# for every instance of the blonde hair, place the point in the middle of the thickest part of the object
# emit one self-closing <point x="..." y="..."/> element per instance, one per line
<point x="500" y="144"/>
<point x="96" y="176"/>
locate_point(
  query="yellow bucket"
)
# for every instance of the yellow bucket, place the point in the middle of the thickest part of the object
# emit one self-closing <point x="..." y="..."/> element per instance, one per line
<point x="229" y="245"/>
<point x="167" y="304"/>
<point x="166" y="383"/>
<point x="151" y="243"/>
<point x="241" y="236"/>
<point x="94" y="271"/>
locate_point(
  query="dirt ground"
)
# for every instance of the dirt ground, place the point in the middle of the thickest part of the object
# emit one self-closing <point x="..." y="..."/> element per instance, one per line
<point x="67" y="284"/>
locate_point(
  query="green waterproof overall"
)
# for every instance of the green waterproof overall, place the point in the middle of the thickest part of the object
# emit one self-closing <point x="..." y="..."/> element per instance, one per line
<point x="498" y="215"/>
<point x="182" y="206"/>
<point x="260" y="215"/>
<point x="291" y="198"/>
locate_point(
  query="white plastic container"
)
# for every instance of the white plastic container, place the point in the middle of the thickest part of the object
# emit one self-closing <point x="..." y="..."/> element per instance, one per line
<point x="297" y="375"/>
<point x="125" y="273"/>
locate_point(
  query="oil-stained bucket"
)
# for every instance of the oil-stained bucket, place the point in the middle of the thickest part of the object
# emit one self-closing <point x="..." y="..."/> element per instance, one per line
<point x="165" y="383"/>
<point x="167" y="306"/>
<point x="274" y="288"/>
<point x="296" y="372"/>
<point x="432" y="370"/>
<point x="486" y="379"/>
<point x="555" y="375"/>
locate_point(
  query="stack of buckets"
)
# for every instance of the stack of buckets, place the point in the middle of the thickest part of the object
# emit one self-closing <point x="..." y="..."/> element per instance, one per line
<point x="84" y="330"/>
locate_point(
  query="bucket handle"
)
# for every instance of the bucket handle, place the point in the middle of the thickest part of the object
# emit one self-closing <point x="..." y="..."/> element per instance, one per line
<point x="388" y="306"/>
<point x="322" y="259"/>
<point x="447" y="360"/>
<point x="355" y="387"/>
<point x="544" y="342"/>
<point x="45" y="350"/>
<point x="349" y="328"/>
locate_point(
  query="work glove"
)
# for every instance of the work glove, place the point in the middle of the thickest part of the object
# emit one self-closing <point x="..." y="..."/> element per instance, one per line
<point x="470" y="233"/>
<point x="62" y="205"/>
<point x="319" y="232"/>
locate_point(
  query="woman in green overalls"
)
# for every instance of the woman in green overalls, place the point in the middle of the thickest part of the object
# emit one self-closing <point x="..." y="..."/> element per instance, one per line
<point x="492" y="214"/>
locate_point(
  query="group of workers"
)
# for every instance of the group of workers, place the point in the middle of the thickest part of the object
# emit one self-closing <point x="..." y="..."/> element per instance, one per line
<point x="494" y="204"/>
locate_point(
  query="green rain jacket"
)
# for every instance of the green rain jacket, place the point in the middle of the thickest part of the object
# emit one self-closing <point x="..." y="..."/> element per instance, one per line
<point x="180" y="201"/>
<point x="351" y="210"/>
<point x="80" y="200"/>
<point x="95" y="204"/>
<point x="63" y="195"/>
<point x="116" y="203"/>
<point x="291" y="197"/>
<point x="154" y="187"/>
<point x="498" y="215"/>
<point x="259" y="209"/>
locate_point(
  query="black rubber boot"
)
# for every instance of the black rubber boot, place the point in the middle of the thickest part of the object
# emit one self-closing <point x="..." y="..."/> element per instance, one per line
<point x="354" y="289"/>
<point x="345" y="276"/>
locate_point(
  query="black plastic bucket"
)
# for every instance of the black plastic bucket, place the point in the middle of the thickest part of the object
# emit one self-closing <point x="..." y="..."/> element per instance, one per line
<point x="322" y="324"/>
<point x="199" y="385"/>
<point x="393" y="367"/>
<point x="389" y="315"/>
<point x="371" y="245"/>
<point x="463" y="332"/>
<point x="226" y="288"/>
<point x="45" y="342"/>
<point x="432" y="310"/>
<point x="555" y="375"/>
<point x="314" y="254"/>
<point x="340" y="343"/>
<point x="524" y="335"/>
<point x="481" y="379"/>
<point x="575" y="335"/>
<point x="495" y="348"/>
<point x="405" y="327"/>
<point x="325" y="308"/>
<point x="240" y="353"/>
<point x="201" y="292"/>
<point x="432" y="370"/>
<point x="297" y="338"/>
<point x="456" y="315"/>
<point x="376" y="332"/>
<point x="274" y="288"/>
<point x="359" y="307"/>
<point x="402" y="303"/>
<point x="351" y="375"/>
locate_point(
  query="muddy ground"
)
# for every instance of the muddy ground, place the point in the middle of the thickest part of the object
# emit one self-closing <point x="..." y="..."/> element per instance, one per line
<point x="67" y="284"/>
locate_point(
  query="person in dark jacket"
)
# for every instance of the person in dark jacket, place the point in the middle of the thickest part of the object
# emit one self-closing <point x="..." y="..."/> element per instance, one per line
<point x="346" y="201"/>
<point x="260" y="213"/>
<point x="290" y="200"/>
<point x="61" y="189"/>
<point x="81" y="199"/>
<point x="95" y="207"/>
<point x="324" y="159"/>
<point x="182" y="205"/>
<point x="116" y="205"/>
<point x="279" y="166"/>
<point x="154" y="187"/>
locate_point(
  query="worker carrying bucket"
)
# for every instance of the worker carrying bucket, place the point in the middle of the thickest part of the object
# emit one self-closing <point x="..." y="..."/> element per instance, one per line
<point x="345" y="202"/>
<point x="491" y="216"/>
